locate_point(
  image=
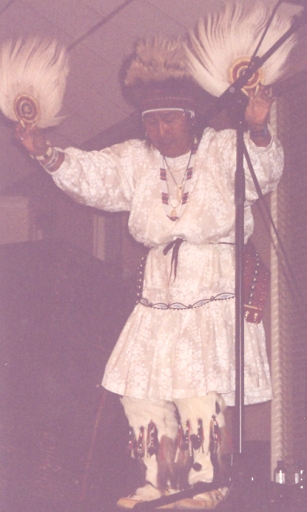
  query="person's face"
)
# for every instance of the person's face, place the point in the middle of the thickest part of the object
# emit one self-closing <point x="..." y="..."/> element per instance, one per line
<point x="170" y="131"/>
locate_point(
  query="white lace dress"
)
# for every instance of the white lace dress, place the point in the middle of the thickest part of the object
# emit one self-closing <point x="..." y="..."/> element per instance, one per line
<point x="164" y="352"/>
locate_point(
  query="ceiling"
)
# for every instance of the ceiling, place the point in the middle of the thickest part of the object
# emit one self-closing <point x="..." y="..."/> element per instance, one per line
<point x="98" y="35"/>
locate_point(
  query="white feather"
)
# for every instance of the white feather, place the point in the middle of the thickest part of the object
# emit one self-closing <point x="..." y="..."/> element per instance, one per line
<point x="38" y="68"/>
<point x="233" y="33"/>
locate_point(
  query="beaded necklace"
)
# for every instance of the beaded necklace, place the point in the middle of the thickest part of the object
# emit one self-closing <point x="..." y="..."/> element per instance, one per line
<point x="173" y="211"/>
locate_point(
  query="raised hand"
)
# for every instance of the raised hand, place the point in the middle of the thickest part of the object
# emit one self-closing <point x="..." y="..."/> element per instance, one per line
<point x="32" y="138"/>
<point x="258" y="108"/>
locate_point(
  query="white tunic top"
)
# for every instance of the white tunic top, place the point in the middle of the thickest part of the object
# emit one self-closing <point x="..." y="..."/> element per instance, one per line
<point x="162" y="352"/>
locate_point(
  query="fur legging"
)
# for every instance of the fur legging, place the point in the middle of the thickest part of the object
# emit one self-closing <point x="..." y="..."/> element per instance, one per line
<point x="172" y="463"/>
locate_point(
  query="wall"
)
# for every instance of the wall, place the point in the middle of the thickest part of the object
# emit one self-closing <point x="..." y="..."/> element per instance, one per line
<point x="289" y="349"/>
<point x="51" y="213"/>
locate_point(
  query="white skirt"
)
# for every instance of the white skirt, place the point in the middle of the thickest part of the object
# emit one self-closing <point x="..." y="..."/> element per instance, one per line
<point x="182" y="353"/>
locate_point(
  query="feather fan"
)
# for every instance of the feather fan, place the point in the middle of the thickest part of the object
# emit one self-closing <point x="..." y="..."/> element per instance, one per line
<point x="230" y="36"/>
<point x="33" y="79"/>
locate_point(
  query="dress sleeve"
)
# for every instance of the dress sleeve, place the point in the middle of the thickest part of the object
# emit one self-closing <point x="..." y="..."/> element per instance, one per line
<point x="102" y="179"/>
<point x="267" y="162"/>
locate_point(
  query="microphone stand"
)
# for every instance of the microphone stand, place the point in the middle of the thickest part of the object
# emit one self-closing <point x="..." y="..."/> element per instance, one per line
<point x="237" y="492"/>
<point x="233" y="98"/>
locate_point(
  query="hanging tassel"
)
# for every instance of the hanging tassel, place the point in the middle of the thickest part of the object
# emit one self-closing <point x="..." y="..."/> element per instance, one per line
<point x="197" y="440"/>
<point x="139" y="451"/>
<point x="152" y="439"/>
<point x="215" y="442"/>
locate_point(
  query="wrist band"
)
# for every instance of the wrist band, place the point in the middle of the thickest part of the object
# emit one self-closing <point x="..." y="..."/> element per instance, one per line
<point x="48" y="165"/>
<point x="263" y="132"/>
<point x="45" y="156"/>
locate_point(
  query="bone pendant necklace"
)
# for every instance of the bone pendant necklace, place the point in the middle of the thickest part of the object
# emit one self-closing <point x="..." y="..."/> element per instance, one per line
<point x="179" y="188"/>
<point x="180" y="192"/>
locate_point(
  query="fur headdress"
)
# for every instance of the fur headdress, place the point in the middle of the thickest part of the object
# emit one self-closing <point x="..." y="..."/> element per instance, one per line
<point x="221" y="46"/>
<point x="157" y="75"/>
<point x="33" y="79"/>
